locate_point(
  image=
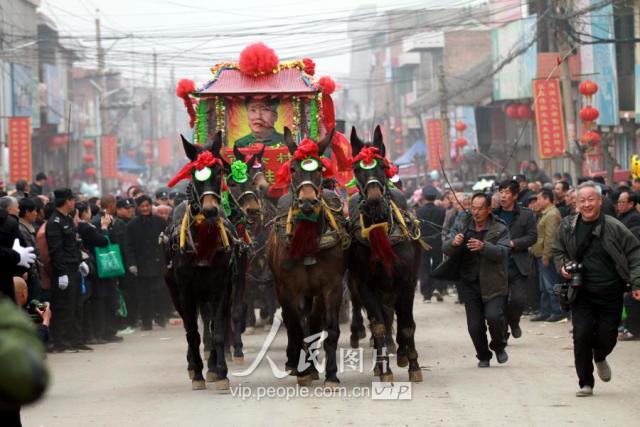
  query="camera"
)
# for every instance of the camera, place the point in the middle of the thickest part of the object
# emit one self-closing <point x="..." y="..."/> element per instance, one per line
<point x="32" y="308"/>
<point x="575" y="269"/>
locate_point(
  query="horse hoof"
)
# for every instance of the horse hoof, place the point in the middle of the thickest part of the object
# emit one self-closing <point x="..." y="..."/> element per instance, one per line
<point x="191" y="373"/>
<point x="223" y="385"/>
<point x="315" y="376"/>
<point x="249" y="330"/>
<point x="207" y="353"/>
<point x="386" y="378"/>
<point x="238" y="360"/>
<point x="415" y="376"/>
<point x="354" y="342"/>
<point x="331" y="385"/>
<point x="391" y="348"/>
<point x="198" y="385"/>
<point x="212" y="377"/>
<point x="403" y="361"/>
<point x="305" y="380"/>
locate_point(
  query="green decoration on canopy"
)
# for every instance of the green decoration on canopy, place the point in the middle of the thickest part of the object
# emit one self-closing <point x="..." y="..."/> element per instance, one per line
<point x="239" y="171"/>
<point x="201" y="122"/>
<point x="313" y="119"/>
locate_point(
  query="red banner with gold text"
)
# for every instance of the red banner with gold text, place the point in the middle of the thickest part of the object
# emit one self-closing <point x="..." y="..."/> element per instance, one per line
<point x="19" y="138"/>
<point x="109" y="157"/>
<point x="435" y="142"/>
<point x="549" y="118"/>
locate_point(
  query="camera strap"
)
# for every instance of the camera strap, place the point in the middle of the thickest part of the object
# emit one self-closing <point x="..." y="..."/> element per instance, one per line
<point x="584" y="246"/>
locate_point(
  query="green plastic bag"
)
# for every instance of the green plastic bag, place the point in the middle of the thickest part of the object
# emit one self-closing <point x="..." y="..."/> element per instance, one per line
<point x="122" y="305"/>
<point x="109" y="261"/>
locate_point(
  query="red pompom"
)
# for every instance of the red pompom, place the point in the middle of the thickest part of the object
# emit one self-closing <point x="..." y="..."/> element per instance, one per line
<point x="185" y="87"/>
<point x="327" y="85"/>
<point x="309" y="66"/>
<point x="258" y="59"/>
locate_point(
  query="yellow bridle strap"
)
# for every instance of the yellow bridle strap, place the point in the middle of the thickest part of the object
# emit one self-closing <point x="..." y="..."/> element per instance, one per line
<point x="332" y="219"/>
<point x="400" y="219"/>
<point x="365" y="231"/>
<point x="183" y="227"/>
<point x="223" y="233"/>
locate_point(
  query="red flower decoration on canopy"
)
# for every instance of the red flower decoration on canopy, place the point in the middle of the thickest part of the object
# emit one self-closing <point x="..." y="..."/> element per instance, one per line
<point x="309" y="66"/>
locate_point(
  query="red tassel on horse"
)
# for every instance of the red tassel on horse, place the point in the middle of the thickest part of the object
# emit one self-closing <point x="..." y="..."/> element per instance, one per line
<point x="207" y="241"/>
<point x="381" y="249"/>
<point x="305" y="239"/>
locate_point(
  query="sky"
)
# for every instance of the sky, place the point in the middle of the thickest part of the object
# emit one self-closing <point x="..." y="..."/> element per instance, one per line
<point x="192" y="36"/>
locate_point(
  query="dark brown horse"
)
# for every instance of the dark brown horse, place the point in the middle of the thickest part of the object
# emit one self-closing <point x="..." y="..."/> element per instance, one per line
<point x="384" y="256"/>
<point x="203" y="250"/>
<point x="306" y="255"/>
<point x="248" y="187"/>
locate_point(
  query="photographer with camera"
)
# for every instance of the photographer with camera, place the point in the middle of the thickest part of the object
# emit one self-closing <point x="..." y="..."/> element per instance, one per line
<point x="599" y="256"/>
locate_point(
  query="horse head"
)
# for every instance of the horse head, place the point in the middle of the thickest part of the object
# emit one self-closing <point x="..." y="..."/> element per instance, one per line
<point x="247" y="183"/>
<point x="306" y="169"/>
<point x="371" y="169"/>
<point x="206" y="171"/>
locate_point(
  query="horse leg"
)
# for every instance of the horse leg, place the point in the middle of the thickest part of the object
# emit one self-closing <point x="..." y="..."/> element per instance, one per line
<point x="294" y="336"/>
<point x="239" y="307"/>
<point x="190" y="320"/>
<point x="332" y="324"/>
<point x="407" y="328"/>
<point x="388" y="313"/>
<point x="358" y="330"/>
<point x="205" y="314"/>
<point x="250" y="317"/>
<point x="375" y="311"/>
<point x="221" y="322"/>
<point x="401" y="354"/>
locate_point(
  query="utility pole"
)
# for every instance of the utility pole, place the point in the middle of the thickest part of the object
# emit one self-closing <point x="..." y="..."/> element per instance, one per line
<point x="101" y="122"/>
<point x="565" y="50"/>
<point x="444" y="118"/>
<point x="154" y="110"/>
<point x="174" y="119"/>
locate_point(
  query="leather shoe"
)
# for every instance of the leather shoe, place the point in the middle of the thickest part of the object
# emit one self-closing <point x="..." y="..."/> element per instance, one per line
<point x="484" y="364"/>
<point x="516" y="332"/>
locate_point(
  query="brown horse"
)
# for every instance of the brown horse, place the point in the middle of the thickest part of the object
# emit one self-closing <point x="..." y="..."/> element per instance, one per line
<point x="384" y="256"/>
<point x="306" y="255"/>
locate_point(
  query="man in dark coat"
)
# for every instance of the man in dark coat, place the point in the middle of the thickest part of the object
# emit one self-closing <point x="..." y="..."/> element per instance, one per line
<point x="37" y="187"/>
<point x="522" y="229"/>
<point x="431" y="219"/>
<point x="479" y="243"/>
<point x="145" y="258"/>
<point x="125" y="210"/>
<point x="524" y="194"/>
<point x="15" y="258"/>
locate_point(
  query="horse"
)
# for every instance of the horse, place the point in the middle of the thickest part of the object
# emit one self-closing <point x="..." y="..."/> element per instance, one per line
<point x="249" y="191"/>
<point x="204" y="251"/>
<point x="384" y="256"/>
<point x="306" y="254"/>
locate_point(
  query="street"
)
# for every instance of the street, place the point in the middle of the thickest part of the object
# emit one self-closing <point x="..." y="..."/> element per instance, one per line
<point x="143" y="381"/>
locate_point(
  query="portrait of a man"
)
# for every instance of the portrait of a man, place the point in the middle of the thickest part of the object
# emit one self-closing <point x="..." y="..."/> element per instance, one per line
<point x="262" y="115"/>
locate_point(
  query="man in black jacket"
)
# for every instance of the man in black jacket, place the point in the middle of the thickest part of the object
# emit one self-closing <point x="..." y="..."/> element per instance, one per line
<point x="431" y="219"/>
<point x="524" y="194"/>
<point x="522" y="229"/>
<point x="560" y="190"/>
<point x="627" y="213"/>
<point x="146" y="261"/>
<point x="125" y="211"/>
<point x="65" y="258"/>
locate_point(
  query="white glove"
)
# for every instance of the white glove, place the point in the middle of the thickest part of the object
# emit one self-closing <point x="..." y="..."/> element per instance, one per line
<point x="133" y="270"/>
<point x="27" y="257"/>
<point x="63" y="282"/>
<point x="84" y="269"/>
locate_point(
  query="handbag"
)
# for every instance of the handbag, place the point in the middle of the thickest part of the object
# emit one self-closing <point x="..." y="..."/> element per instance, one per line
<point x="109" y="261"/>
<point x="122" y="305"/>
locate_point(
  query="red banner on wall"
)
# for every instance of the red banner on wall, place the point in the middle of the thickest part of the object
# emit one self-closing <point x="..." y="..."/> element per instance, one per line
<point x="549" y="118"/>
<point x="109" y="157"/>
<point x="435" y="143"/>
<point x="164" y="152"/>
<point x="19" y="136"/>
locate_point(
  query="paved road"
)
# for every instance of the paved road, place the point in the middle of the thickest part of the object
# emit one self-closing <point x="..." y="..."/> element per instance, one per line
<point x="143" y="381"/>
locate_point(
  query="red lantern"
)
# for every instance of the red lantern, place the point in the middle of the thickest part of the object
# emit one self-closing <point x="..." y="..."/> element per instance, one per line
<point x="88" y="143"/>
<point x="88" y="158"/>
<point x="588" y="88"/>
<point x="461" y="126"/>
<point x="589" y="114"/>
<point x="591" y="137"/>
<point x="524" y="111"/>
<point x="511" y="111"/>
<point x="90" y="171"/>
<point x="461" y="142"/>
